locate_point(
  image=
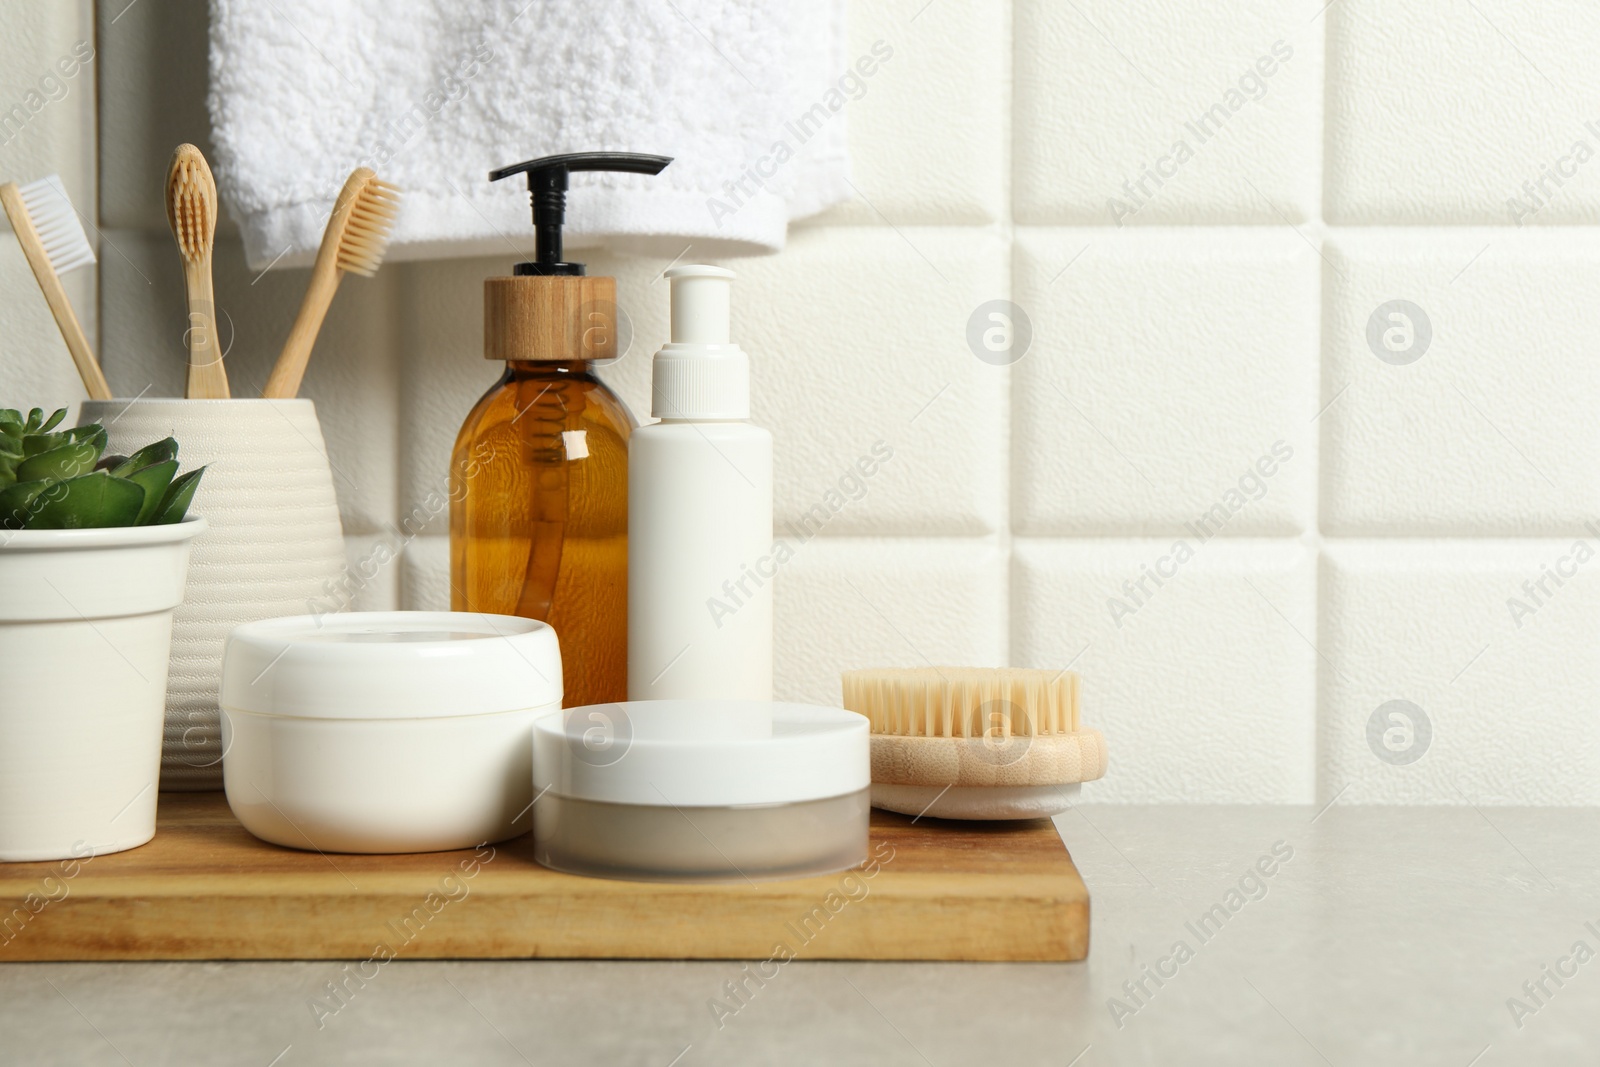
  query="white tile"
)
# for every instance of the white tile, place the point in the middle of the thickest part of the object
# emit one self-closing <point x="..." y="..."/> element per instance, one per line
<point x="48" y="68"/>
<point x="425" y="575"/>
<point x="371" y="580"/>
<point x="47" y="107"/>
<point x="1489" y="428"/>
<point x="152" y="66"/>
<point x="439" y="334"/>
<point x="1209" y="114"/>
<point x="843" y="603"/>
<point x="351" y="376"/>
<point x="36" y="370"/>
<point x="1203" y="684"/>
<point x="928" y="132"/>
<point x="1490" y="644"/>
<point x="142" y="308"/>
<point x="1172" y="375"/>
<point x="1440" y="111"/>
<point x="856" y="336"/>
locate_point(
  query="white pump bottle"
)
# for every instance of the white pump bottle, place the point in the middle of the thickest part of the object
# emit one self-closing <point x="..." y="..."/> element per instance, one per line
<point x="700" y="550"/>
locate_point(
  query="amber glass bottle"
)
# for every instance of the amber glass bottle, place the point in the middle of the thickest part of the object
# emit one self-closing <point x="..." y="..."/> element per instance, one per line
<point x="539" y="516"/>
<point x="539" y="475"/>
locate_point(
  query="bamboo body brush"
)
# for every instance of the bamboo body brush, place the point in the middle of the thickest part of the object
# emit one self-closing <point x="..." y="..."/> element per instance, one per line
<point x="192" y="214"/>
<point x="354" y="242"/>
<point x="975" y="743"/>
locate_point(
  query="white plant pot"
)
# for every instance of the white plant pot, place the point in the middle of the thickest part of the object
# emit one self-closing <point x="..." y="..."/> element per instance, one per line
<point x="274" y="546"/>
<point x="85" y="630"/>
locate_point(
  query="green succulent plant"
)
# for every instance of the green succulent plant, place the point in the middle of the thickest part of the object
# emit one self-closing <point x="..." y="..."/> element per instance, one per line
<point x="60" y="480"/>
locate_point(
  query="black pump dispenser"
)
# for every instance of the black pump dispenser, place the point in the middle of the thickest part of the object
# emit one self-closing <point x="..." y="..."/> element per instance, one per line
<point x="547" y="189"/>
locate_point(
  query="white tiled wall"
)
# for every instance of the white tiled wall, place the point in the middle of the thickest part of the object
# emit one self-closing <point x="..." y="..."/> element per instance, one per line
<point x="46" y="125"/>
<point x="1211" y="483"/>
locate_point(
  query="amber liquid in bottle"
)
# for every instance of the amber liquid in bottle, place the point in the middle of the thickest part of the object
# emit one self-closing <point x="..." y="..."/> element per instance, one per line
<point x="539" y="516"/>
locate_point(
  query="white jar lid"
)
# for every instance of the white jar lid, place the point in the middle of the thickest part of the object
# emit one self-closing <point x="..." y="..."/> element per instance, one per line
<point x="701" y="753"/>
<point x="391" y="665"/>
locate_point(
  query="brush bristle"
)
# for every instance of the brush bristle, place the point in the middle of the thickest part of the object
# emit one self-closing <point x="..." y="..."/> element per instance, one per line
<point x="366" y="231"/>
<point x="60" y="229"/>
<point x="964" y="701"/>
<point x="191" y="202"/>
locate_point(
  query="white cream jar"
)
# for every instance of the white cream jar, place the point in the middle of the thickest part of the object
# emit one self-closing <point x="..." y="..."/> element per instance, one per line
<point x="701" y="790"/>
<point x="401" y="731"/>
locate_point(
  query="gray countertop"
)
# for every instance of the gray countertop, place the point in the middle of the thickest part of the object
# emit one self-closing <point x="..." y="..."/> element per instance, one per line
<point x="1382" y="935"/>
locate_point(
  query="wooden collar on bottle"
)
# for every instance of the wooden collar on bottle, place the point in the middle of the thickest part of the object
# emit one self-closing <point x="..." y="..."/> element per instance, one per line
<point x="551" y="318"/>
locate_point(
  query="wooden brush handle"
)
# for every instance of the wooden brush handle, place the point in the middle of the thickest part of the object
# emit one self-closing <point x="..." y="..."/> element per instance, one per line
<point x="284" y="382"/>
<point x="207" y="379"/>
<point x="54" y="294"/>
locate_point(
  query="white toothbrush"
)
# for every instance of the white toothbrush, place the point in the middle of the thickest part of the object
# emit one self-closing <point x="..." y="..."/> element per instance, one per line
<point x="52" y="238"/>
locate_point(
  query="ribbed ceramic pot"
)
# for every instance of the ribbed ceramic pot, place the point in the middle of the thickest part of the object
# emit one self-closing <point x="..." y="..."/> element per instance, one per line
<point x="274" y="546"/>
<point x="85" y="622"/>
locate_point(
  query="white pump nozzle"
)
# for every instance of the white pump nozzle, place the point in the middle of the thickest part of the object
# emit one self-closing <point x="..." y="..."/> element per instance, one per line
<point x="700" y="373"/>
<point x="700" y="304"/>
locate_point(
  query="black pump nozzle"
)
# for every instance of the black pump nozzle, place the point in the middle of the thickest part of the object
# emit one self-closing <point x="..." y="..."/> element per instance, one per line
<point x="547" y="188"/>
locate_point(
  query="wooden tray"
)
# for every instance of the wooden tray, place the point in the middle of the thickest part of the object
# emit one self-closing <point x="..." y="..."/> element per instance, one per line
<point x="206" y="889"/>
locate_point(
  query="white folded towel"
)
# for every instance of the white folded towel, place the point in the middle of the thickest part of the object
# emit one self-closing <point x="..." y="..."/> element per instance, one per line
<point x="747" y="95"/>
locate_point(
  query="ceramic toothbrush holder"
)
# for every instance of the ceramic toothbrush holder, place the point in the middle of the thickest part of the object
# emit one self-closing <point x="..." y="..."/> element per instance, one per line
<point x="274" y="545"/>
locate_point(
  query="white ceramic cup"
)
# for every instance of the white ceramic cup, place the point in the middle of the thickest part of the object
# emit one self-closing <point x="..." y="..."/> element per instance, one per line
<point x="274" y="548"/>
<point x="85" y="629"/>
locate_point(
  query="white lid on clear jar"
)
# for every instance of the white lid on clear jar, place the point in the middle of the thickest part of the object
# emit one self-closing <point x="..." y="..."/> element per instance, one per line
<point x="701" y="753"/>
<point x="391" y="665"/>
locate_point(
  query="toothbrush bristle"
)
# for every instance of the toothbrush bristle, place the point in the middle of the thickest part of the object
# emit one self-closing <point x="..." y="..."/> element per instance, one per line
<point x="191" y="202"/>
<point x="60" y="229"/>
<point x="366" y="231"/>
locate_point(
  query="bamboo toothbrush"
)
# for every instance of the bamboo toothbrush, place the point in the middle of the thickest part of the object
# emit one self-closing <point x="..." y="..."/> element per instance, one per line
<point x="354" y="243"/>
<point x="52" y="237"/>
<point x="192" y="214"/>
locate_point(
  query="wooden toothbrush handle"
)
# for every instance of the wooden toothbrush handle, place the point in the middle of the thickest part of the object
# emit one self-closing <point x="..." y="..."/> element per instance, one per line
<point x="284" y="383"/>
<point x="94" y="380"/>
<point x="207" y="379"/>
